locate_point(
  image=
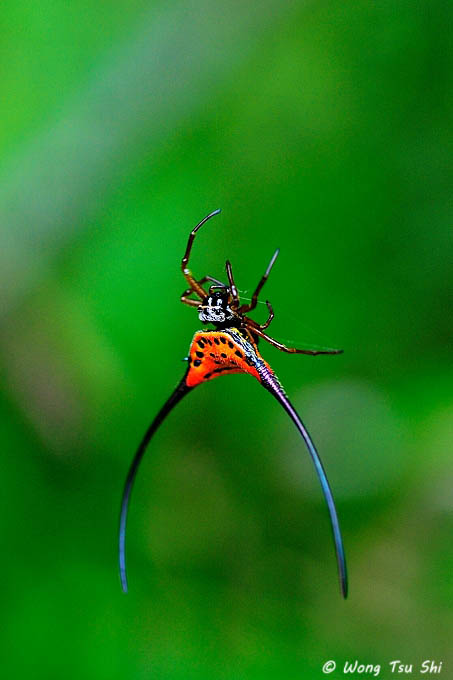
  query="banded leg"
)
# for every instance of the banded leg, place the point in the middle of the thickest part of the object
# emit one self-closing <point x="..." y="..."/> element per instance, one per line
<point x="262" y="326"/>
<point x="293" y="350"/>
<point x="194" y="285"/>
<point x="233" y="290"/>
<point x="185" y="295"/>
<point x="254" y="300"/>
<point x="269" y="318"/>
<point x="189" y="301"/>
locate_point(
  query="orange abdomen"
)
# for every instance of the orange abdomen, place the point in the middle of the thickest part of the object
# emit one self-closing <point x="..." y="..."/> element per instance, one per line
<point x="215" y="353"/>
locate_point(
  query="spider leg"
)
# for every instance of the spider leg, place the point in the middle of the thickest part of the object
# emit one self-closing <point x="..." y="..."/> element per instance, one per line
<point x="195" y="286"/>
<point x="254" y="300"/>
<point x="253" y="324"/>
<point x="269" y="318"/>
<point x="293" y="350"/>
<point x="189" y="301"/>
<point x="218" y="283"/>
<point x="233" y="289"/>
<point x="189" y="291"/>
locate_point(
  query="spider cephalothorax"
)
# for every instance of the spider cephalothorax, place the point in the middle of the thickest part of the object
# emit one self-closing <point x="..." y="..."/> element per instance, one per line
<point x="215" y="308"/>
<point x="230" y="348"/>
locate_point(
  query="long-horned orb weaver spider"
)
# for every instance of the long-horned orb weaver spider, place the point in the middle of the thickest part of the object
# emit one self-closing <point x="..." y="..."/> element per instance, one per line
<point x="230" y="348"/>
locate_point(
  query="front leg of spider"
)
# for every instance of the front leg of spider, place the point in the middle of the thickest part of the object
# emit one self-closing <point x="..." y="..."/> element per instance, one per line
<point x="230" y="348"/>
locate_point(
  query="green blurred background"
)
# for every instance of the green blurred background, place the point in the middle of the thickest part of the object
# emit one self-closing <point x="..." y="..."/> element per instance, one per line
<point x="323" y="128"/>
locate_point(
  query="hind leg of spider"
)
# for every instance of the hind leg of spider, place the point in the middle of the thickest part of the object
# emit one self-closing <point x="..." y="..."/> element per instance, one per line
<point x="233" y="290"/>
<point x="253" y="324"/>
<point x="269" y="318"/>
<point x="254" y="300"/>
<point x="185" y="260"/>
<point x="293" y="350"/>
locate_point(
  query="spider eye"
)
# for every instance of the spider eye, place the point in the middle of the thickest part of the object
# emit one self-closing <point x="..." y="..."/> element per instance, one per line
<point x="216" y="299"/>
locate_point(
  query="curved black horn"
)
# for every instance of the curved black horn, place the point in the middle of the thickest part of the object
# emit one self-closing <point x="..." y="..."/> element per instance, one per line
<point x="272" y="385"/>
<point x="181" y="390"/>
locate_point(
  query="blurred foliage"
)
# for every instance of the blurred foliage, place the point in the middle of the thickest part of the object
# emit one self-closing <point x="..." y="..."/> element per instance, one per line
<point x="323" y="128"/>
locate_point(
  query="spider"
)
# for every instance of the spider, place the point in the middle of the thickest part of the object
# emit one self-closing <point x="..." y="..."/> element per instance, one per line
<point x="221" y="305"/>
<point x="231" y="348"/>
